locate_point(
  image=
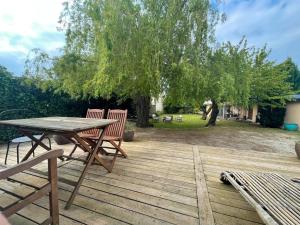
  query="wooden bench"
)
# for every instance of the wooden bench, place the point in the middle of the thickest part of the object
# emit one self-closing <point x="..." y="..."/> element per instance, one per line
<point x="49" y="188"/>
<point x="275" y="198"/>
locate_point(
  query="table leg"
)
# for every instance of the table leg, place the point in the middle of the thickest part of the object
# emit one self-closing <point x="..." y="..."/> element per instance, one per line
<point x="79" y="182"/>
<point x="92" y="155"/>
<point x="36" y="144"/>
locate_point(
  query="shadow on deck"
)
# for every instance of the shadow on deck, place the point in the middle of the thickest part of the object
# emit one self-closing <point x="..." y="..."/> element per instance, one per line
<point x="157" y="184"/>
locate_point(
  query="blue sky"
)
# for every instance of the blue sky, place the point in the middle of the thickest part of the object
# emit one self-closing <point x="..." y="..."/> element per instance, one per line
<point x="272" y="22"/>
<point x="28" y="24"/>
<point x="33" y="24"/>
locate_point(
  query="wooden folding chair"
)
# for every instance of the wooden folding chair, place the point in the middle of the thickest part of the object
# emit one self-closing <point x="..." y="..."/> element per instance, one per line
<point x="114" y="133"/>
<point x="95" y="114"/>
<point x="6" y="175"/>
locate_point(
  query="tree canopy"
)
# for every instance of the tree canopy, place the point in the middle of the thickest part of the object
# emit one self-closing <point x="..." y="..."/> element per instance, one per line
<point x="133" y="48"/>
<point x="141" y="49"/>
<point x="293" y="72"/>
<point x="238" y="74"/>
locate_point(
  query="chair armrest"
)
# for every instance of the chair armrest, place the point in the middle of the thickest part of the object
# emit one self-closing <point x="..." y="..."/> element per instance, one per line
<point x="29" y="163"/>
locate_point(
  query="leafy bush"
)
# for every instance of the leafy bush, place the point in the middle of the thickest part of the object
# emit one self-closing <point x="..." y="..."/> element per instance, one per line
<point x="129" y="126"/>
<point x="170" y="109"/>
<point x="271" y="117"/>
<point x="20" y="99"/>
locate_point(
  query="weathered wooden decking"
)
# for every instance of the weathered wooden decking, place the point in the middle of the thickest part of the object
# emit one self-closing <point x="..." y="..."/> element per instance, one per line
<point x="160" y="183"/>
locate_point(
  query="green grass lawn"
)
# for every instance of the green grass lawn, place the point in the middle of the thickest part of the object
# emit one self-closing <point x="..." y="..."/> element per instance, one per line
<point x="194" y="121"/>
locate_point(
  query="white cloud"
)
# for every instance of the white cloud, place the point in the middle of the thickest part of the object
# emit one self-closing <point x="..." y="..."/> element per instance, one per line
<point x="28" y="24"/>
<point x="6" y="46"/>
<point x="27" y="21"/>
<point x="29" y="17"/>
<point x="272" y="22"/>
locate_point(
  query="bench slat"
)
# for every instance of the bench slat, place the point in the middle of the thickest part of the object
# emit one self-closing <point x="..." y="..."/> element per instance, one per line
<point x="275" y="198"/>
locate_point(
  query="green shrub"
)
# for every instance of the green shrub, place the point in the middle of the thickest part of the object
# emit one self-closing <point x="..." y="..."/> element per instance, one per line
<point x="19" y="99"/>
<point x="271" y="117"/>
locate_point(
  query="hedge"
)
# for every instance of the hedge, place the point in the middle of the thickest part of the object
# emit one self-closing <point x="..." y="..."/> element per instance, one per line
<point x="22" y="100"/>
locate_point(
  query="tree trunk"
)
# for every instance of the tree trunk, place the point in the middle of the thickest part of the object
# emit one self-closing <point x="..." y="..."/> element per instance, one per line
<point x="214" y="113"/>
<point x="142" y="111"/>
<point x="205" y="112"/>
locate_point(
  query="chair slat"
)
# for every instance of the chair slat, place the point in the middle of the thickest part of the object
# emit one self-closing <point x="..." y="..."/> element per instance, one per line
<point x="116" y="129"/>
<point x="94" y="114"/>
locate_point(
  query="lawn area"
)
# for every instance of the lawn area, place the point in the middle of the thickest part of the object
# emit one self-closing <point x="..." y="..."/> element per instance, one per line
<point x="227" y="133"/>
<point x="194" y="121"/>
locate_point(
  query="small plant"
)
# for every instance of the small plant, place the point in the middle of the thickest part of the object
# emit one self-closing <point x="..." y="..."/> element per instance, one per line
<point x="181" y="111"/>
<point x="129" y="126"/>
<point x="129" y="131"/>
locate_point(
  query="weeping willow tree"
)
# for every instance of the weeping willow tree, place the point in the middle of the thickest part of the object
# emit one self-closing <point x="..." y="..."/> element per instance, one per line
<point x="134" y="48"/>
<point x="231" y="73"/>
<point x="143" y="48"/>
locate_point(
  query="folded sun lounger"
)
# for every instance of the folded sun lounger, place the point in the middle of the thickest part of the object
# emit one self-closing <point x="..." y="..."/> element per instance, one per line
<point x="275" y="198"/>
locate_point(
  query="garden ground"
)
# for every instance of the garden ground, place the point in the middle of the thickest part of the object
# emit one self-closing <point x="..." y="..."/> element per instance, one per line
<point x="232" y="134"/>
<point x="170" y="177"/>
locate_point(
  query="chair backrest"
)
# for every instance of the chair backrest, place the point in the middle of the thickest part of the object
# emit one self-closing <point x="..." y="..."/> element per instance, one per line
<point x="94" y="114"/>
<point x="50" y="187"/>
<point x="116" y="129"/>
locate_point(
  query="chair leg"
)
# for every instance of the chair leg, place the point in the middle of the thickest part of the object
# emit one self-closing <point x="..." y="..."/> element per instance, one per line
<point x="118" y="147"/>
<point x="49" y="142"/>
<point x="8" y="145"/>
<point x="75" y="147"/>
<point x="102" y="151"/>
<point x="18" y="160"/>
<point x="32" y="146"/>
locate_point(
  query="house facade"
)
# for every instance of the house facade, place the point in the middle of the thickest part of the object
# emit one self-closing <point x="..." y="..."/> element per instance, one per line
<point x="292" y="114"/>
<point x="228" y="111"/>
<point x="157" y="104"/>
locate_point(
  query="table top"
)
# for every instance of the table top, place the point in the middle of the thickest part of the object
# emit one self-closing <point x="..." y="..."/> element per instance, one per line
<point x="58" y="124"/>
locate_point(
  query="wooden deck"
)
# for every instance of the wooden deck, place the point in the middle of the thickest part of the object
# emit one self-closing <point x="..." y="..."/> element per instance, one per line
<point x="160" y="183"/>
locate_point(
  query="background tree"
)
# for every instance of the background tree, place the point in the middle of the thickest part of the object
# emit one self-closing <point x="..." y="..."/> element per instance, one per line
<point x="291" y="68"/>
<point x="235" y="74"/>
<point x="270" y="85"/>
<point x="141" y="49"/>
<point x="135" y="49"/>
<point x="228" y="76"/>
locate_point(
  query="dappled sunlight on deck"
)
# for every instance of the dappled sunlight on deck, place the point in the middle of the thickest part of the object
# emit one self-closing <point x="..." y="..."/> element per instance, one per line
<point x="157" y="184"/>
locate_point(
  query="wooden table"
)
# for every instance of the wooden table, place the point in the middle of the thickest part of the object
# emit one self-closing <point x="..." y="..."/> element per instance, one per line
<point x="69" y="127"/>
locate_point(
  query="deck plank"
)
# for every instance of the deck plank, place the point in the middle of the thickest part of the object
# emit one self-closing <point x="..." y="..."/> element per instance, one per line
<point x="160" y="183"/>
<point x="204" y="206"/>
